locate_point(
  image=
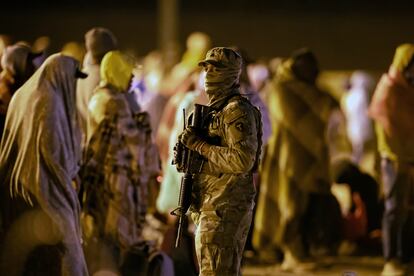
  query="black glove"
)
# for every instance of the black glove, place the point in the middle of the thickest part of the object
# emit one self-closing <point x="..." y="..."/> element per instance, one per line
<point x="191" y="139"/>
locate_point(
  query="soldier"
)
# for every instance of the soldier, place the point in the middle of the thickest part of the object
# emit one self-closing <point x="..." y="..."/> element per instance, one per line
<point x="224" y="192"/>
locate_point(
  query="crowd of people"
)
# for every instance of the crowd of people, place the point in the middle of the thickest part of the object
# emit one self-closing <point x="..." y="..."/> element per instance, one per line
<point x="292" y="171"/>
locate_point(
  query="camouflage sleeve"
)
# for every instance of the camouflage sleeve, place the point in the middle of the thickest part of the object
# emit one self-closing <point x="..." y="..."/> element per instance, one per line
<point x="240" y="131"/>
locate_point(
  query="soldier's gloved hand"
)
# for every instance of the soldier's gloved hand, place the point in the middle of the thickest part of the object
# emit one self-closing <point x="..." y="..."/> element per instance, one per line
<point x="191" y="139"/>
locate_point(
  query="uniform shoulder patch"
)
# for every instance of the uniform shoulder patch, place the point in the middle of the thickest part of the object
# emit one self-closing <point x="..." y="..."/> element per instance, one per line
<point x="240" y="126"/>
<point x="235" y="110"/>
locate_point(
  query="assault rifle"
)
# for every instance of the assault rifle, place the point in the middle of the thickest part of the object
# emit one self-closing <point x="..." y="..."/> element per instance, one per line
<point x="190" y="163"/>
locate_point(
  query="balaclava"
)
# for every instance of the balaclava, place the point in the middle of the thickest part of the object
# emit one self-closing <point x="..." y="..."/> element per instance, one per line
<point x="220" y="82"/>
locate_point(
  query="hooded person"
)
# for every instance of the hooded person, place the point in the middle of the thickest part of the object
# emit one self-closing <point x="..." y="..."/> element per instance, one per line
<point x="17" y="64"/>
<point x="39" y="152"/>
<point x="119" y="160"/>
<point x="98" y="41"/>
<point x="295" y="170"/>
<point x="392" y="109"/>
<point x="223" y="193"/>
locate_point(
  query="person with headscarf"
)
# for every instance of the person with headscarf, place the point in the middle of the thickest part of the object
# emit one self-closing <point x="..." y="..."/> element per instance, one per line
<point x="17" y="64"/>
<point x="120" y="159"/>
<point x="223" y="193"/>
<point x="295" y="170"/>
<point x="39" y="153"/>
<point x="98" y="41"/>
<point x="392" y="109"/>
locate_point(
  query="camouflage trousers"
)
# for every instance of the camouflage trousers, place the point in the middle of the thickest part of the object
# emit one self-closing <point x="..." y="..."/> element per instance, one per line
<point x="220" y="238"/>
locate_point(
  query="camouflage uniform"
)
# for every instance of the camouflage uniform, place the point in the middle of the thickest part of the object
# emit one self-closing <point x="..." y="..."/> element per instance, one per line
<point x="224" y="192"/>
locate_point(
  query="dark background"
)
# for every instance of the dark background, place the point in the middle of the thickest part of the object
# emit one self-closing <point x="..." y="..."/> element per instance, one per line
<point x="345" y="35"/>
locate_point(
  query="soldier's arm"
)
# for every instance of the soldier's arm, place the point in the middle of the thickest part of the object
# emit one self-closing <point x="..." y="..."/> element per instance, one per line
<point x="240" y="153"/>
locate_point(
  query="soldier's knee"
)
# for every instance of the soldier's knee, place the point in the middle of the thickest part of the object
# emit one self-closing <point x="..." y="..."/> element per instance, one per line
<point x="218" y="260"/>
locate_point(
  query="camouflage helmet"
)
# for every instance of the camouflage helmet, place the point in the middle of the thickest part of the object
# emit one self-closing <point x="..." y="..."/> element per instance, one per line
<point x="222" y="57"/>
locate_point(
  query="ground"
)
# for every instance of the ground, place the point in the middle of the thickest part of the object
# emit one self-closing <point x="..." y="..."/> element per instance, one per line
<point x="331" y="266"/>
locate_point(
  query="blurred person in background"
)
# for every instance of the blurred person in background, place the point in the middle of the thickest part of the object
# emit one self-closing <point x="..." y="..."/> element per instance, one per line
<point x="41" y="45"/>
<point x="146" y="87"/>
<point x="362" y="219"/>
<point x="148" y="76"/>
<point x="17" y="61"/>
<point x="259" y="74"/>
<point x="248" y="90"/>
<point x="175" y="85"/>
<point x="119" y="161"/>
<point x="98" y="41"/>
<point x="170" y="186"/>
<point x="197" y="44"/>
<point x="17" y="64"/>
<point x="184" y="257"/>
<point x="74" y="49"/>
<point x="355" y="103"/>
<point x="272" y="65"/>
<point x="295" y="179"/>
<point x="392" y="109"/>
<point x="5" y="41"/>
<point x="168" y="112"/>
<point x="39" y="157"/>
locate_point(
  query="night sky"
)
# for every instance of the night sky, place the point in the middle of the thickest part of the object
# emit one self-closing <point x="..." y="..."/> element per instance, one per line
<point x="343" y="34"/>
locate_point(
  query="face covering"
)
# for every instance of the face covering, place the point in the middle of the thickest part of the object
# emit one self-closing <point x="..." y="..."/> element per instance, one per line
<point x="220" y="82"/>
